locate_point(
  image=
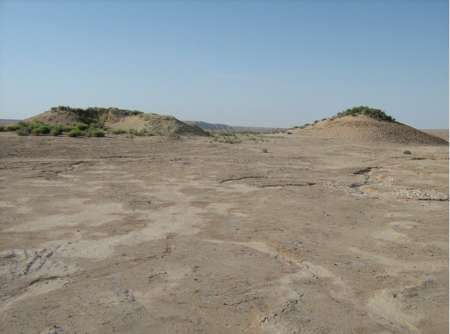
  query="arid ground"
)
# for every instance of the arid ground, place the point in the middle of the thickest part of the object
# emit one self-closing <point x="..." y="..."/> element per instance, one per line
<point x="154" y="235"/>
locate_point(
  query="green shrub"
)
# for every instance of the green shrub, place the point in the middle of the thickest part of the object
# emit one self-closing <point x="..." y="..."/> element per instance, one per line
<point x="39" y="129"/>
<point x="93" y="132"/>
<point x="81" y="126"/>
<point x="56" y="130"/>
<point x="66" y="128"/>
<point x="142" y="132"/>
<point x="2" y="128"/>
<point x="21" y="128"/>
<point x="118" y="131"/>
<point x="133" y="132"/>
<point x="98" y="125"/>
<point x="367" y="111"/>
<point x="407" y="152"/>
<point x="35" y="131"/>
<point x="75" y="132"/>
<point x="265" y="150"/>
<point x="12" y="127"/>
<point x="227" y="138"/>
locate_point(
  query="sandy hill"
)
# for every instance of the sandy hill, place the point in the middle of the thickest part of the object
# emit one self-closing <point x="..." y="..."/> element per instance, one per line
<point x="114" y="118"/>
<point x="362" y="127"/>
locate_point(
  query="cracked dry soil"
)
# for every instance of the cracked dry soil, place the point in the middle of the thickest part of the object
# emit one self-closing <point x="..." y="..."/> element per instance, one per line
<point x="149" y="235"/>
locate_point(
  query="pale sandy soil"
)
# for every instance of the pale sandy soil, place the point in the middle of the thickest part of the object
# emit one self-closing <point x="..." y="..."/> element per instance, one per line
<point x="146" y="235"/>
<point x="442" y="133"/>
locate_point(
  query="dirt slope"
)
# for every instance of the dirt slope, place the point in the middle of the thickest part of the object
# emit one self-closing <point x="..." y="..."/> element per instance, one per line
<point x="441" y="133"/>
<point x="363" y="128"/>
<point x="115" y="118"/>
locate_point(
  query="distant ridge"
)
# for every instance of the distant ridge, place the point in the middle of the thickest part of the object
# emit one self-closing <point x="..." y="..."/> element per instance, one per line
<point x="211" y="126"/>
<point x="218" y="127"/>
<point x="4" y="121"/>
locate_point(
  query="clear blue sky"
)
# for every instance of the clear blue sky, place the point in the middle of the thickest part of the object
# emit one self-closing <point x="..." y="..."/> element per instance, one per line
<point x="266" y="63"/>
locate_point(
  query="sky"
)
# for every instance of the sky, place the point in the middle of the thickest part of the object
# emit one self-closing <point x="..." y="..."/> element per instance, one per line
<point x="260" y="63"/>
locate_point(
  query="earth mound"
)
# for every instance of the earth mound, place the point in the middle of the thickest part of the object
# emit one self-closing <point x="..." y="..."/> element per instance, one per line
<point x="366" y="124"/>
<point x="115" y="118"/>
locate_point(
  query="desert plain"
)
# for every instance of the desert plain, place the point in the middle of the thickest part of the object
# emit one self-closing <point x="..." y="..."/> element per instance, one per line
<point x="280" y="233"/>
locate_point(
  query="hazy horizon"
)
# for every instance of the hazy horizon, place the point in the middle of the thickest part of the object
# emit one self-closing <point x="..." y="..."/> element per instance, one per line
<point x="265" y="64"/>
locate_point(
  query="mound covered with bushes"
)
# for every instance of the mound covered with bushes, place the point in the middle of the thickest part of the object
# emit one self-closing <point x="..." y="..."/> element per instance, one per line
<point x="116" y="121"/>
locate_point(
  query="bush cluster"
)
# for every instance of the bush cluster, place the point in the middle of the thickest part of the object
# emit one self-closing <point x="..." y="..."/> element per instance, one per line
<point x="56" y="130"/>
<point x="95" y="132"/>
<point x="371" y="112"/>
<point x="75" y="132"/>
<point x="85" y="131"/>
<point x="31" y="128"/>
<point x="374" y="113"/>
<point x="118" y="131"/>
<point x="42" y="129"/>
<point x="227" y="138"/>
<point x="12" y="127"/>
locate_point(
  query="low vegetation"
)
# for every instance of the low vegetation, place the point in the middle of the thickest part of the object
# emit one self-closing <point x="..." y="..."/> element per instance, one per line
<point x="40" y="130"/>
<point x="76" y="132"/>
<point x="226" y="138"/>
<point x="36" y="128"/>
<point x="95" y="132"/>
<point x="23" y="131"/>
<point x="56" y="131"/>
<point x="118" y="131"/>
<point x="78" y="129"/>
<point x="374" y="113"/>
<point x="12" y="127"/>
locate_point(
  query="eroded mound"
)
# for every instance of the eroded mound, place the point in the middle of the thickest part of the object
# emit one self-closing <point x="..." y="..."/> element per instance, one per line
<point x="115" y="118"/>
<point x="364" y="128"/>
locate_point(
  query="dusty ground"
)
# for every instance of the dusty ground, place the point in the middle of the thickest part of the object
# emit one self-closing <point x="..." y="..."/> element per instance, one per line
<point x="442" y="133"/>
<point x="145" y="235"/>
